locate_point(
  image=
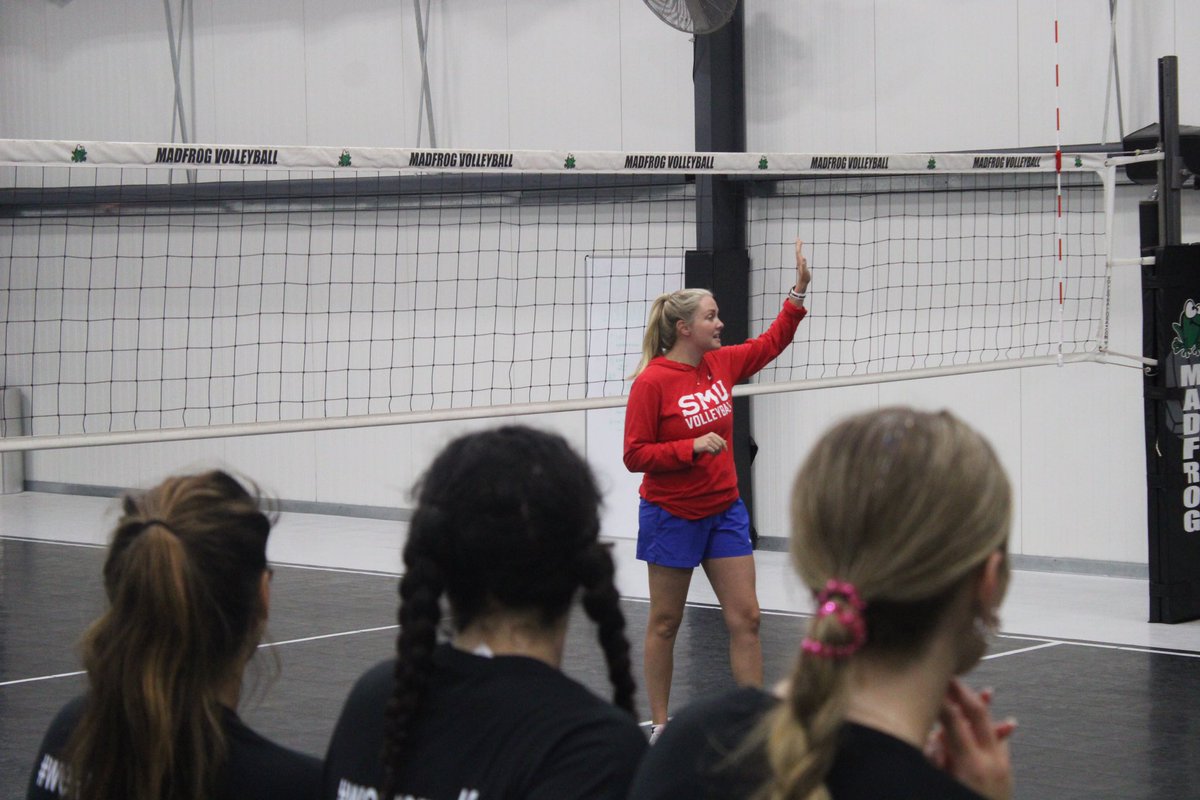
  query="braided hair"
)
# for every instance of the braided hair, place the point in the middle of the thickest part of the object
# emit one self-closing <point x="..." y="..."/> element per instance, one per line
<point x="505" y="518"/>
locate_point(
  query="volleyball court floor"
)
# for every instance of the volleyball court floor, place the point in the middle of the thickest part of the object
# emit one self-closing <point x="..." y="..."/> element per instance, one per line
<point x="1108" y="705"/>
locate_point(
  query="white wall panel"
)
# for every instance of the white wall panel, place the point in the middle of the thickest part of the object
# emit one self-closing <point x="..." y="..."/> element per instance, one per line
<point x="1082" y="56"/>
<point x="786" y="426"/>
<point x="990" y="403"/>
<point x="362" y="74"/>
<point x="946" y="75"/>
<point x="156" y="461"/>
<point x="564" y="65"/>
<point x="258" y="73"/>
<point x="137" y="465"/>
<point x="283" y="465"/>
<point x="1074" y="496"/>
<point x="24" y="74"/>
<point x="1146" y="32"/>
<point x="1187" y="47"/>
<point x="829" y="76"/>
<point x="387" y="461"/>
<point x="1083" y="487"/>
<point x="469" y="74"/>
<point x="810" y="76"/>
<point x="104" y="466"/>
<point x="88" y="70"/>
<point x="656" y="101"/>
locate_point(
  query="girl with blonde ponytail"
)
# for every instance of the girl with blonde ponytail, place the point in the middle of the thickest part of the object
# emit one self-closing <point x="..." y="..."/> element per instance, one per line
<point x="678" y="427"/>
<point x="900" y="525"/>
<point x="188" y="591"/>
<point x="665" y="312"/>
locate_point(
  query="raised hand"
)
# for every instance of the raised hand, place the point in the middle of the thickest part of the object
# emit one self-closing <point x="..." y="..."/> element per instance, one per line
<point x="803" y="275"/>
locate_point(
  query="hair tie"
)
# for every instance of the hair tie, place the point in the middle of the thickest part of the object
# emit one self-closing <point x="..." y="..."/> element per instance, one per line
<point x="849" y="614"/>
<point x="149" y="523"/>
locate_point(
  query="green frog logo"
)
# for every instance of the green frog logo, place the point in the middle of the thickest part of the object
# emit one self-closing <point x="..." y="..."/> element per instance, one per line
<point x="1187" y="332"/>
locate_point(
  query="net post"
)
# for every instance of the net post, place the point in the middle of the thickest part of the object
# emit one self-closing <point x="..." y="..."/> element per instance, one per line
<point x="1170" y="288"/>
<point x="1172" y="417"/>
<point x="1170" y="168"/>
<point x="725" y="273"/>
<point x="721" y="261"/>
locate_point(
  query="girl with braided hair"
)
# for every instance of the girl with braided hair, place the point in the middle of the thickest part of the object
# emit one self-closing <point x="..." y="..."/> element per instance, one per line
<point x="505" y="531"/>
<point x="900" y="526"/>
<point x="188" y="591"/>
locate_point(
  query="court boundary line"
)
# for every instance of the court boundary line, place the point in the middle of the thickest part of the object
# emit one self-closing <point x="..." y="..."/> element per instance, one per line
<point x="1020" y="650"/>
<point x="60" y="542"/>
<point x="634" y="599"/>
<point x="41" y="678"/>
<point x="1135" y="648"/>
<point x="289" y="564"/>
<point x="301" y="640"/>
<point x="1045" y="642"/>
<point x="379" y="573"/>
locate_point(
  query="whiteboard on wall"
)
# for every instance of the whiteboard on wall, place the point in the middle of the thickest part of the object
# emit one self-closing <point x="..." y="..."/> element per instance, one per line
<point x="620" y="291"/>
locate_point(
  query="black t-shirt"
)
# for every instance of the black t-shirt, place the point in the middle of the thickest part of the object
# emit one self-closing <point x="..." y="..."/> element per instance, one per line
<point x="489" y="729"/>
<point x="694" y="759"/>
<point x="256" y="768"/>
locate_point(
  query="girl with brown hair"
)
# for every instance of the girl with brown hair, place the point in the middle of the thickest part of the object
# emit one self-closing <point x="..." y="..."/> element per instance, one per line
<point x="188" y="593"/>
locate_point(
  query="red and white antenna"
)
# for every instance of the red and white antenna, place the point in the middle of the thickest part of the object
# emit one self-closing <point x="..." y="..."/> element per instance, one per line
<point x="1059" y="269"/>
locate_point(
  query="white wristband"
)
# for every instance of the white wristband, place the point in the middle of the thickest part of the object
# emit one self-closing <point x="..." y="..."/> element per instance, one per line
<point x="797" y="296"/>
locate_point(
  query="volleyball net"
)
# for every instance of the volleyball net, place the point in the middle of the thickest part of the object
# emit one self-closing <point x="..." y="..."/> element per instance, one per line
<point x="194" y="290"/>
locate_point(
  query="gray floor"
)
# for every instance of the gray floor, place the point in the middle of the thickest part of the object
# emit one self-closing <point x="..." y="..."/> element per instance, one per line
<point x="1108" y="705"/>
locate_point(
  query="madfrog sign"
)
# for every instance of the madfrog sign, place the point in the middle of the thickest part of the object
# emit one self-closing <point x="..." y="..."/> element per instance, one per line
<point x="1171" y="308"/>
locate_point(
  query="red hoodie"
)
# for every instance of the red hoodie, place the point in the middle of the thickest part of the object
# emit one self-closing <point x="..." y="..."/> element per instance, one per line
<point x="670" y="404"/>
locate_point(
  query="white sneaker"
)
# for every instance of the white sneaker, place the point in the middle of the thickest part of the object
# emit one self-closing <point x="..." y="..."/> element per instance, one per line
<point x="656" y="731"/>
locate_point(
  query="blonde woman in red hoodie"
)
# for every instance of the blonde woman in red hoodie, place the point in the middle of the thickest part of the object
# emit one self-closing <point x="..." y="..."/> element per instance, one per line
<point x="678" y="425"/>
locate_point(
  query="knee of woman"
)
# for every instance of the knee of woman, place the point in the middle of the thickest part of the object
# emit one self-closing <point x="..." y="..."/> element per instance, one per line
<point x="744" y="620"/>
<point x="664" y="626"/>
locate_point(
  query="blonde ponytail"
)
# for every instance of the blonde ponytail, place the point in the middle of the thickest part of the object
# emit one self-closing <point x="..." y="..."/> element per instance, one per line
<point x="892" y="512"/>
<point x="666" y="310"/>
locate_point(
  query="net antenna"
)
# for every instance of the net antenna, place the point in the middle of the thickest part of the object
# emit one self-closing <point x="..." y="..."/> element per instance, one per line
<point x="694" y="16"/>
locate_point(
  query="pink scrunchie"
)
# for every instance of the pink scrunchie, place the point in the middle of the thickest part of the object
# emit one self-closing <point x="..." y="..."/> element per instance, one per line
<point x="850" y="615"/>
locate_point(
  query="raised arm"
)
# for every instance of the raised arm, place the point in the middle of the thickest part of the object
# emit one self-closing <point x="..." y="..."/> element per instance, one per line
<point x="751" y="356"/>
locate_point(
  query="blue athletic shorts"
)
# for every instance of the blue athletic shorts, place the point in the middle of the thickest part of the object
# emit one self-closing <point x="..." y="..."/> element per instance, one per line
<point x="669" y="541"/>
